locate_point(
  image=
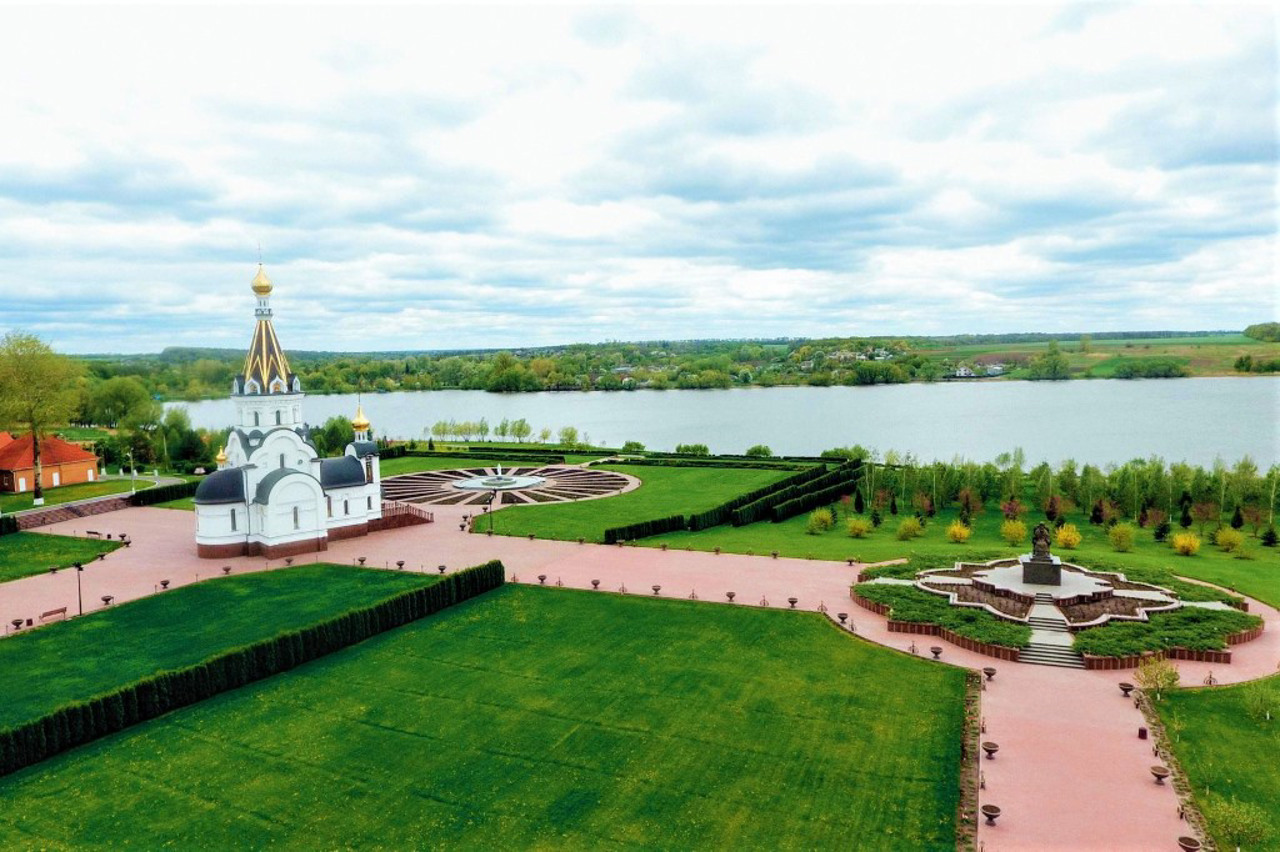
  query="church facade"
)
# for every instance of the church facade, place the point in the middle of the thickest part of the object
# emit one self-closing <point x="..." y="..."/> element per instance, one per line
<point x="272" y="494"/>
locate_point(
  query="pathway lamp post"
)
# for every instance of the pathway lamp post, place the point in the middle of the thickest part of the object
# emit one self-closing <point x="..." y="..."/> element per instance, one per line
<point x="79" y="594"/>
<point x="133" y="475"/>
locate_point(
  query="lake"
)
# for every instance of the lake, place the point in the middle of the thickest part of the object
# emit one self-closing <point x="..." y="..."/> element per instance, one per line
<point x="1098" y="421"/>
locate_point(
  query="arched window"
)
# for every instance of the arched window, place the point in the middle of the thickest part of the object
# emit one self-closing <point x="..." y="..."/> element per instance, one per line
<point x="233" y="520"/>
<point x="328" y="499"/>
<point x="277" y="417"/>
<point x="255" y="419"/>
<point x="368" y="469"/>
<point x="295" y="518"/>
<point x="282" y="459"/>
<point x="368" y="502"/>
<point x="346" y="507"/>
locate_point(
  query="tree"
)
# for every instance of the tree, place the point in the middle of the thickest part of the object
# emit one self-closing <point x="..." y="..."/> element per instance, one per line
<point x="1237" y="519"/>
<point x="633" y="447"/>
<point x="569" y="436"/>
<point x="693" y="449"/>
<point x="503" y="429"/>
<point x="1050" y="364"/>
<point x="118" y="401"/>
<point x="1156" y="675"/>
<point x="520" y="429"/>
<point x="759" y="451"/>
<point x="37" y="391"/>
<point x="544" y="435"/>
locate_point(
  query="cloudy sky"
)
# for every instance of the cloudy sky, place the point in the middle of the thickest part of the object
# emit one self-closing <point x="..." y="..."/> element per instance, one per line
<point x="446" y="177"/>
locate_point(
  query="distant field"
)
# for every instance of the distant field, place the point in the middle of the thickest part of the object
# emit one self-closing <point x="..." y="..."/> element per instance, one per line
<point x="664" y="491"/>
<point x="536" y="719"/>
<point x="25" y="553"/>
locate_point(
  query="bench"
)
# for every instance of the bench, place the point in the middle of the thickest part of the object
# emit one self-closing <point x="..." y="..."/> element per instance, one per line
<point x="62" y="611"/>
<point x="93" y="534"/>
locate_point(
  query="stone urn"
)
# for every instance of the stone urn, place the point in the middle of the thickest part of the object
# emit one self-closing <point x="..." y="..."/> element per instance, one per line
<point x="656" y="589"/>
<point x="990" y="672"/>
<point x="990" y="748"/>
<point x="991" y="812"/>
<point x="936" y="651"/>
<point x="793" y="602"/>
<point x="1126" y="688"/>
<point x="1160" y="773"/>
<point x="164" y="584"/>
<point x="730" y="595"/>
<point x="400" y="564"/>
<point x="595" y="584"/>
<point x="542" y="579"/>
<point x="1188" y="844"/>
<point x="843" y="616"/>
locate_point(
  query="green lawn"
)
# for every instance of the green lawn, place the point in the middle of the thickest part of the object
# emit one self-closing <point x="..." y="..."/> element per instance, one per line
<point x="24" y="554"/>
<point x="76" y="659"/>
<point x="1226" y="753"/>
<point x="416" y="464"/>
<point x="664" y="491"/>
<point x="537" y="718"/>
<point x="1257" y="576"/>
<point x="187" y="504"/>
<point x="67" y="493"/>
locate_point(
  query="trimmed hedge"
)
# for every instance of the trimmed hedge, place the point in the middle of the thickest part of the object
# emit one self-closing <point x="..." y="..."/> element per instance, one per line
<point x="721" y="514"/>
<point x="8" y="524"/>
<point x="521" y="456"/>
<point x="713" y="461"/>
<point x="907" y="603"/>
<point x="644" y="529"/>
<point x="163" y="493"/>
<point x="1193" y="628"/>
<point x="787" y="502"/>
<point x="83" y="721"/>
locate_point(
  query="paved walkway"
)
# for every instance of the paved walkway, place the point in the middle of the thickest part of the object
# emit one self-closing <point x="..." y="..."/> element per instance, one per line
<point x="1071" y="772"/>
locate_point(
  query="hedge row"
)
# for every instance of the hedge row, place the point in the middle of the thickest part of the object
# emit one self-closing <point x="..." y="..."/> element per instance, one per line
<point x="813" y="499"/>
<point x="8" y="524"/>
<point x="842" y="477"/>
<point x="163" y="493"/>
<point x="712" y="461"/>
<point x="807" y="459"/>
<point x="81" y="722"/>
<point x="520" y="456"/>
<point x="644" y="529"/>
<point x="721" y="514"/>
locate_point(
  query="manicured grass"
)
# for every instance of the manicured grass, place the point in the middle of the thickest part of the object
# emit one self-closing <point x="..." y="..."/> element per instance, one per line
<point x="417" y="464"/>
<point x="537" y="718"/>
<point x="24" y="554"/>
<point x="185" y="503"/>
<point x="67" y="493"/>
<point x="912" y="604"/>
<point x="1257" y="576"/>
<point x="83" y="433"/>
<point x="1192" y="628"/>
<point x="664" y="491"/>
<point x="1226" y="753"/>
<point x="76" y="659"/>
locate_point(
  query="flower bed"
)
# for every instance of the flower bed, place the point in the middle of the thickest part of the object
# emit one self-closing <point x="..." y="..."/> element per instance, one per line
<point x="1187" y="629"/>
<point x="911" y="605"/>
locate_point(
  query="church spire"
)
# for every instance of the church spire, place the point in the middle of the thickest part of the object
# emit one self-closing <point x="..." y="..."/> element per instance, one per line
<point x="266" y="369"/>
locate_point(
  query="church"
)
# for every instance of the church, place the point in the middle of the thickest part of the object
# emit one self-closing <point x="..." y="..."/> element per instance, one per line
<point x="272" y="494"/>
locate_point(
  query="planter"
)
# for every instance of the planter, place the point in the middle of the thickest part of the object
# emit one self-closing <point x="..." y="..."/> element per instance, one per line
<point x="990" y="748"/>
<point x="542" y="579"/>
<point x="1126" y="688"/>
<point x="1160" y="773"/>
<point x="843" y="616"/>
<point x="936" y="650"/>
<point x="1188" y="844"/>
<point x="595" y="584"/>
<point x="992" y="813"/>
<point x="730" y="595"/>
<point x="656" y="589"/>
<point x="793" y="602"/>
<point x="990" y="672"/>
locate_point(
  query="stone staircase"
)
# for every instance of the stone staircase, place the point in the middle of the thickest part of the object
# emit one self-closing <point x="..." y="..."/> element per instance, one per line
<point x="1043" y="651"/>
<point x="70" y="511"/>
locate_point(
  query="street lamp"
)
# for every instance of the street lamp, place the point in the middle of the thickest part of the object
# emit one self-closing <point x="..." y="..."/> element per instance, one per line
<point x="492" y="497"/>
<point x="133" y="475"/>
<point x="79" y="595"/>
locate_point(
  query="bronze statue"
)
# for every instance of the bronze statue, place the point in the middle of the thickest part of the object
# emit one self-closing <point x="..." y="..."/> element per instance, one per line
<point x="1040" y="542"/>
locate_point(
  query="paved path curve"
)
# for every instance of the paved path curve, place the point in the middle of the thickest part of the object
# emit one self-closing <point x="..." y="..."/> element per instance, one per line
<point x="1071" y="772"/>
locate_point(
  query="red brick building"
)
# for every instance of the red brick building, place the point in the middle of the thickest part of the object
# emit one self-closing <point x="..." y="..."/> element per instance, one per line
<point x="61" y="463"/>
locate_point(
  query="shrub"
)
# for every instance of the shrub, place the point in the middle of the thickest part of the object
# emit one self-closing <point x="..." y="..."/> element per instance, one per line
<point x="1186" y="544"/>
<point x="1013" y="508"/>
<point x="633" y="447"/>
<point x="1229" y="540"/>
<point x="1068" y="536"/>
<point x="859" y="527"/>
<point x="909" y="528"/>
<point x="760" y="451"/>
<point x="1157" y="676"/>
<point x="908" y="603"/>
<point x="1121" y="537"/>
<point x="1013" y="532"/>
<point x="1270" y="538"/>
<point x="1161" y="532"/>
<point x="1193" y="628"/>
<point x="644" y="529"/>
<point x="820" y="520"/>
<point x="958" y="533"/>
<point x="693" y="449"/>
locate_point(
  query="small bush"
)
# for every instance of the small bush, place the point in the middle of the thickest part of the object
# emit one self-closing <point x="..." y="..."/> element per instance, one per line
<point x="1121" y="537"/>
<point x="1068" y="536"/>
<point x="1162" y="530"/>
<point x="1013" y="532"/>
<point x="1186" y="544"/>
<point x="859" y="527"/>
<point x="958" y="533"/>
<point x="909" y="528"/>
<point x="820" y="520"/>
<point x="1270" y="538"/>
<point x="1229" y="540"/>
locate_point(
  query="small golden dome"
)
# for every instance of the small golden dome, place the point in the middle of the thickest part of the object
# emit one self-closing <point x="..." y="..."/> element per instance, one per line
<point x="261" y="283"/>
<point x="360" y="423"/>
<point x="221" y="458"/>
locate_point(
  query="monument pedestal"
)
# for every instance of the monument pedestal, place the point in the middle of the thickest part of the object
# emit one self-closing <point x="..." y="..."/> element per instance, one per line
<point x="1041" y="570"/>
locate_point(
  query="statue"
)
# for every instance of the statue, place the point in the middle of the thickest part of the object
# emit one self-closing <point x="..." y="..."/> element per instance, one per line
<point x="1040" y="542"/>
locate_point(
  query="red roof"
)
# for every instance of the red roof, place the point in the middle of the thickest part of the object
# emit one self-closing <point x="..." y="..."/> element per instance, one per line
<point x="5" y="438"/>
<point x="16" y="455"/>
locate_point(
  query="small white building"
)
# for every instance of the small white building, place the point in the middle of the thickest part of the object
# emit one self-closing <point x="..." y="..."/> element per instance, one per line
<point x="272" y="494"/>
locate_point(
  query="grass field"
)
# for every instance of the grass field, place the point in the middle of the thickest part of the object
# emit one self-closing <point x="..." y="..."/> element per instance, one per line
<point x="24" y="554"/>
<point x="537" y="718"/>
<point x="185" y="503"/>
<point x="1257" y="576"/>
<point x="1226" y="753"/>
<point x="82" y="657"/>
<point x="416" y="464"/>
<point x="67" y="493"/>
<point x="664" y="491"/>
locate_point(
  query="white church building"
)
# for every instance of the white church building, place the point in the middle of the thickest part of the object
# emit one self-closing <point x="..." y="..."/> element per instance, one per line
<point x="272" y="494"/>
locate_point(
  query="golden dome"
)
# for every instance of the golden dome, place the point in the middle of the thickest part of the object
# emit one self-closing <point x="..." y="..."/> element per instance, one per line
<point x="221" y="458"/>
<point x="261" y="283"/>
<point x="360" y="423"/>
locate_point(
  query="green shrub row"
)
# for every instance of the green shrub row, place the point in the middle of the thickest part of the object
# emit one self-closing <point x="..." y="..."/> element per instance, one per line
<point x="716" y="461"/>
<point x="80" y="722"/>
<point x="517" y="456"/>
<point x="842" y="477"/>
<point x="907" y="603"/>
<point x="721" y="514"/>
<point x="8" y="524"/>
<point x="806" y="459"/>
<point x="1163" y="577"/>
<point x="163" y="493"/>
<point x="813" y="500"/>
<point x="644" y="529"/>
<point x="927" y="562"/>
<point x="1193" y="628"/>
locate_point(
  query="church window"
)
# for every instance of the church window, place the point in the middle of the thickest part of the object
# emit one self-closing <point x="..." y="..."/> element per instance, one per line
<point x="346" y="507"/>
<point x="329" y="504"/>
<point x="295" y="517"/>
<point x="368" y="469"/>
<point x="233" y="520"/>
<point x="277" y="417"/>
<point x="255" y="419"/>
<point x="282" y="459"/>
<point x="368" y="502"/>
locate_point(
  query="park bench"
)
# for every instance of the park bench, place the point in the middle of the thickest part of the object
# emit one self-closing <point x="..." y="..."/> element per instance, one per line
<point x="93" y="534"/>
<point x="62" y="611"/>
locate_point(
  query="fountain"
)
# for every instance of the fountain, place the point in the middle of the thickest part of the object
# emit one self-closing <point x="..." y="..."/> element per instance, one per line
<point x="499" y="482"/>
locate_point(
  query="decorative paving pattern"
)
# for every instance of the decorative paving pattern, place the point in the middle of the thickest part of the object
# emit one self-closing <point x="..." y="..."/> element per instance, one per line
<point x="564" y="484"/>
